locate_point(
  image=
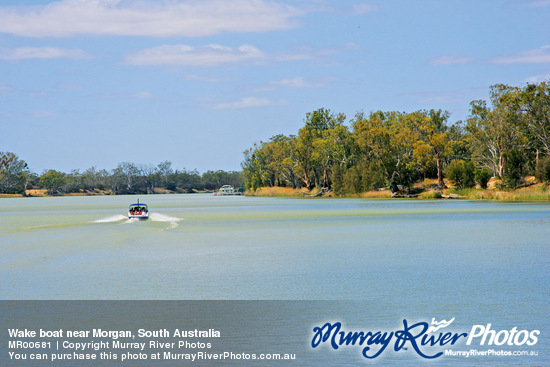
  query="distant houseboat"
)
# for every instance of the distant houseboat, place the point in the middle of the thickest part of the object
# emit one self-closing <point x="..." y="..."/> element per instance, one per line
<point x="228" y="190"/>
<point x="138" y="211"/>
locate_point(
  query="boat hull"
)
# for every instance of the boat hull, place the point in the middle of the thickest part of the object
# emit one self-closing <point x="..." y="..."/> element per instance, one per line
<point x="139" y="217"/>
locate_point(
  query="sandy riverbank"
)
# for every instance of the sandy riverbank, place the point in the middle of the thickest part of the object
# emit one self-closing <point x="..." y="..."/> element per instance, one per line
<point x="532" y="191"/>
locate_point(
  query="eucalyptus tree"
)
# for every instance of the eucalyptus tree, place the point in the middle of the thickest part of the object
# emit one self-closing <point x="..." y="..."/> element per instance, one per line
<point x="432" y="144"/>
<point x="315" y="147"/>
<point x="53" y="181"/>
<point x="494" y="131"/>
<point x="532" y="102"/>
<point x="280" y="161"/>
<point x="388" y="138"/>
<point x="165" y="175"/>
<point x="535" y="102"/>
<point x="14" y="174"/>
<point x="252" y="168"/>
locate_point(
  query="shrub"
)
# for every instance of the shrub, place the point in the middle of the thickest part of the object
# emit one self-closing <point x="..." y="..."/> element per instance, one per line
<point x="462" y="173"/>
<point x="364" y="176"/>
<point x="543" y="170"/>
<point x="468" y="174"/>
<point x="482" y="177"/>
<point x="514" y="160"/>
<point x="431" y="195"/>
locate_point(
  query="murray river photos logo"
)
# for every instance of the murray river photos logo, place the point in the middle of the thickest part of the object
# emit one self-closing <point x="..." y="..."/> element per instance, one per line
<point x="425" y="339"/>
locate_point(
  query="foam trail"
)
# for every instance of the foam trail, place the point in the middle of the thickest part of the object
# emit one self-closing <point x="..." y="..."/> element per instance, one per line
<point x="158" y="217"/>
<point x="113" y="218"/>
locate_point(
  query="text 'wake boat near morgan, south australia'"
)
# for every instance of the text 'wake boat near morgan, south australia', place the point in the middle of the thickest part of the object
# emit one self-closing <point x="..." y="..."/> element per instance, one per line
<point x="138" y="211"/>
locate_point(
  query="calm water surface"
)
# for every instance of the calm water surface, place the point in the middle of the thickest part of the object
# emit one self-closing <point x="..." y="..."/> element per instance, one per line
<point x="481" y="262"/>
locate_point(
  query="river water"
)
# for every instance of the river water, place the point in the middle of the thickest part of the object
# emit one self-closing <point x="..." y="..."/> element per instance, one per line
<point x="480" y="262"/>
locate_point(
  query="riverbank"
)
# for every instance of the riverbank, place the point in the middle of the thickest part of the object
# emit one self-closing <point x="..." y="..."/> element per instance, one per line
<point x="534" y="192"/>
<point x="530" y="192"/>
<point x="44" y="193"/>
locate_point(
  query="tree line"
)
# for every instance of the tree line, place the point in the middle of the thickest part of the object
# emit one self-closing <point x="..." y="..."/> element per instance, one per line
<point x="508" y="138"/>
<point x="126" y="178"/>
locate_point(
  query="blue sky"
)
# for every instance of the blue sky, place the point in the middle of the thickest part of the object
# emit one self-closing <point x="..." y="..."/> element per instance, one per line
<point x="96" y="82"/>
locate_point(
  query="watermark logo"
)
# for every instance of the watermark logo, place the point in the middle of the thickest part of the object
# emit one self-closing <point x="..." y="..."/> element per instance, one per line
<point x="502" y="337"/>
<point x="439" y="325"/>
<point x="420" y="337"/>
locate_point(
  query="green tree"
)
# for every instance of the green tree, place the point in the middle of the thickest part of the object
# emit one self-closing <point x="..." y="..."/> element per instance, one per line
<point x="493" y="132"/>
<point x="251" y="166"/>
<point x="388" y="138"/>
<point x="533" y="102"/>
<point x="482" y="177"/>
<point x="431" y="146"/>
<point x="187" y="180"/>
<point x="92" y="179"/>
<point x="14" y="174"/>
<point x="513" y="168"/>
<point x="314" y="154"/>
<point x="462" y="173"/>
<point x="53" y="181"/>
<point x="543" y="169"/>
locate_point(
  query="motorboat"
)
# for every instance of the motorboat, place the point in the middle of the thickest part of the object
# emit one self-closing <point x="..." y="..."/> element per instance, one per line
<point x="228" y="190"/>
<point x="138" y="211"/>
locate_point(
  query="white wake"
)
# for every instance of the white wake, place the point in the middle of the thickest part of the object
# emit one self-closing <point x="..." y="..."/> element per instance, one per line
<point x="158" y="217"/>
<point x="155" y="217"/>
<point x="112" y="218"/>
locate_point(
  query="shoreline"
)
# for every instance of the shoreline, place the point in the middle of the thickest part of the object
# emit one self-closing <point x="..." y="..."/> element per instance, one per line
<point x="534" y="192"/>
<point x="41" y="193"/>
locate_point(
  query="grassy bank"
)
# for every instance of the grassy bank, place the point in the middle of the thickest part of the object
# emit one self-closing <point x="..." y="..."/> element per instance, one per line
<point x="281" y="192"/>
<point x="534" y="192"/>
<point x="301" y="193"/>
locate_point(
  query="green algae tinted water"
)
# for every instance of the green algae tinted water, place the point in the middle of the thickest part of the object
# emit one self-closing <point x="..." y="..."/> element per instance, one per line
<point x="205" y="247"/>
<point x="481" y="262"/>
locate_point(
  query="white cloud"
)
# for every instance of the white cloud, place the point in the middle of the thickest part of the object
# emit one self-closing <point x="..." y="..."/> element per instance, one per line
<point x="192" y="18"/>
<point x="449" y="60"/>
<point x="22" y="53"/>
<point x="300" y="82"/>
<point x="247" y="102"/>
<point x="208" y="78"/>
<point x="184" y="55"/>
<point x="539" y="55"/>
<point x="143" y="95"/>
<point x="69" y="86"/>
<point x="537" y="3"/>
<point x="308" y="52"/>
<point x="459" y="96"/>
<point x="215" y="55"/>
<point x="138" y="95"/>
<point x="362" y="9"/>
<point x="43" y="114"/>
<point x="537" y="79"/>
<point x="6" y="89"/>
<point x="297" y="82"/>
